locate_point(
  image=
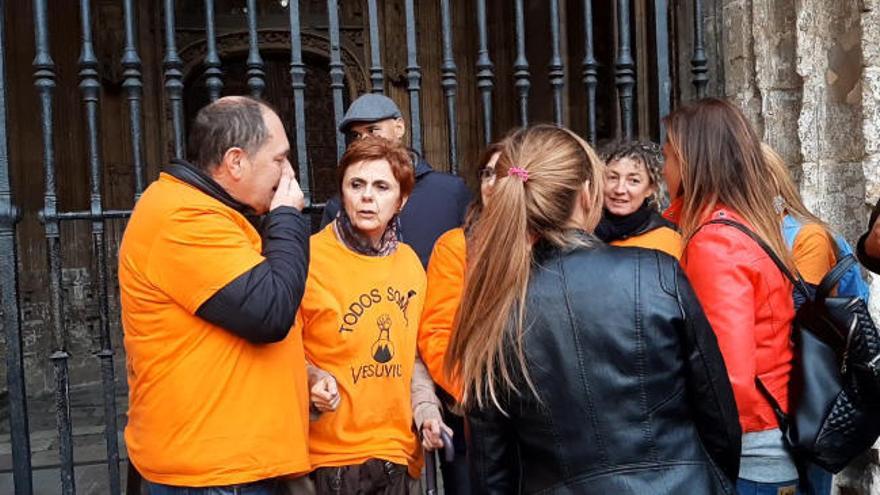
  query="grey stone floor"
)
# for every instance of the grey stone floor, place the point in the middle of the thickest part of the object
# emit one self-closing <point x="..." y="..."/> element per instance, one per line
<point x="91" y="473"/>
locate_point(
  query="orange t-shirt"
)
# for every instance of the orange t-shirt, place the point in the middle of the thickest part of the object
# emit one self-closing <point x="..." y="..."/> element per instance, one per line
<point x="206" y="408"/>
<point x="662" y="239"/>
<point x="359" y="318"/>
<point x="446" y="271"/>
<point x="813" y="253"/>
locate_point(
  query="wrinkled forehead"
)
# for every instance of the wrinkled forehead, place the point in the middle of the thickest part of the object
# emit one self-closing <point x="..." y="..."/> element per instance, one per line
<point x="370" y="171"/>
<point x="627" y="165"/>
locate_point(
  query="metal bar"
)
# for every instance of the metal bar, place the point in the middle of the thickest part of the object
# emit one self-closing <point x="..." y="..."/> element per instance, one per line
<point x="90" y="86"/>
<point x="521" y="65"/>
<point x="84" y="215"/>
<point x="213" y="72"/>
<point x="173" y="79"/>
<point x="699" y="63"/>
<point x="337" y="75"/>
<point x="485" y="76"/>
<point x="298" y="83"/>
<point x="44" y="80"/>
<point x="624" y="70"/>
<point x="134" y="89"/>
<point x="377" y="75"/>
<point x="255" y="71"/>
<point x="590" y="71"/>
<point x="449" y="82"/>
<point x="9" y="311"/>
<point x="413" y="77"/>
<point x="664" y="81"/>
<point x="556" y="68"/>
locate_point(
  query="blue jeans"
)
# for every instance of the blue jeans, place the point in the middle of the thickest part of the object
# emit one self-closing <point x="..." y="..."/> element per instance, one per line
<point x="746" y="487"/>
<point x="265" y="487"/>
<point x="820" y="481"/>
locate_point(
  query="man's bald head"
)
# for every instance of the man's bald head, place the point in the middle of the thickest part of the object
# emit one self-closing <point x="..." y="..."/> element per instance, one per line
<point x="231" y="121"/>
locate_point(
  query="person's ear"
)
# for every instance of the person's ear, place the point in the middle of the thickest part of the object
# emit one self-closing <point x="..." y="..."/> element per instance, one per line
<point x="234" y="162"/>
<point x="399" y="128"/>
<point x="403" y="201"/>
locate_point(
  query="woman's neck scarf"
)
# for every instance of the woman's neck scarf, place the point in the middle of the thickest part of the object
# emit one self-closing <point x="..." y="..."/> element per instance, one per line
<point x="615" y="227"/>
<point x="355" y="240"/>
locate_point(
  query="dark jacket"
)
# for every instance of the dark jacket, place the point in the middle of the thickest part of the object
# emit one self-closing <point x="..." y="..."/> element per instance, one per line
<point x="634" y="396"/>
<point x="437" y="204"/>
<point x="872" y="264"/>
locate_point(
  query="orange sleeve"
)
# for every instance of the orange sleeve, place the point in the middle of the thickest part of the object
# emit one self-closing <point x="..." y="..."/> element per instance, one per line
<point x="445" y="282"/>
<point x="198" y="252"/>
<point x="813" y="253"/>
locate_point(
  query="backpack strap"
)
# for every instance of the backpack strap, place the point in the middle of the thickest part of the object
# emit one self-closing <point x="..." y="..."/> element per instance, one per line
<point x="796" y="281"/>
<point x="781" y="417"/>
<point x="833" y="277"/>
<point x="799" y="285"/>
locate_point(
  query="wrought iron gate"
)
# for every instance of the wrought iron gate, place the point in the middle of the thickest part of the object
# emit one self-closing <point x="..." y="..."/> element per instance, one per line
<point x="90" y="87"/>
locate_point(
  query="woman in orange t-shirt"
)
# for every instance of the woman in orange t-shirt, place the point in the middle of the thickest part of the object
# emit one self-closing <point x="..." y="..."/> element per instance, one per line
<point x="445" y="282"/>
<point x="633" y="188"/>
<point x="813" y="247"/>
<point x="359" y="318"/>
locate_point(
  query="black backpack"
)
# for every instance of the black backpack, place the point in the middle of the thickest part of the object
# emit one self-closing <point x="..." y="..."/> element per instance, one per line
<point x="834" y="388"/>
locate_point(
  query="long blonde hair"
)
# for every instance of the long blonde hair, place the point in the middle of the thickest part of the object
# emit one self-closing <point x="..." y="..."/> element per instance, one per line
<point x="786" y="189"/>
<point x="722" y="163"/>
<point x="486" y="353"/>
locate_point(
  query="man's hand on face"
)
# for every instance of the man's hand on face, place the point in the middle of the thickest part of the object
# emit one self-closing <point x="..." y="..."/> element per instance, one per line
<point x="872" y="242"/>
<point x="288" y="192"/>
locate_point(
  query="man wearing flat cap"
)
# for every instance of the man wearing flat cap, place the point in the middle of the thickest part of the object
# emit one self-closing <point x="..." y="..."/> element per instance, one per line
<point x="438" y="201"/>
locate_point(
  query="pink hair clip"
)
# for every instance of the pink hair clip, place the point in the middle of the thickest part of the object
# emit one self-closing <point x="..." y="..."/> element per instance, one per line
<point x="522" y="173"/>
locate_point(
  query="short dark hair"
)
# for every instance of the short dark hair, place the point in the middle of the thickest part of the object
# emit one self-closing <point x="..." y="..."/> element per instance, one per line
<point x="229" y="122"/>
<point x="376" y="148"/>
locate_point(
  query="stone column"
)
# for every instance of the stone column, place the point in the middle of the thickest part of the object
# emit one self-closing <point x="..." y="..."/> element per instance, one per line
<point x="740" y="82"/>
<point x="777" y="81"/>
<point x="830" y="123"/>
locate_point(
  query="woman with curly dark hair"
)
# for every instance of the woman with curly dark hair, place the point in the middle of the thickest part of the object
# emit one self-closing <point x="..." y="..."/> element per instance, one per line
<point x="634" y="194"/>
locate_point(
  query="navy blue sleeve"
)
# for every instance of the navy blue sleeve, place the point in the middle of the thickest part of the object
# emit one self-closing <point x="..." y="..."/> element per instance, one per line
<point x="330" y="211"/>
<point x="463" y="198"/>
<point x="260" y="305"/>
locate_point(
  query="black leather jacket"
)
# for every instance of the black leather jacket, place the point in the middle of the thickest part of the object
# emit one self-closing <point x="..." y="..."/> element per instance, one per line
<point x="634" y="395"/>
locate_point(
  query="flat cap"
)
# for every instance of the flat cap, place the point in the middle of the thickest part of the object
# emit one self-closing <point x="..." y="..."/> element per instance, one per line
<point x="369" y="108"/>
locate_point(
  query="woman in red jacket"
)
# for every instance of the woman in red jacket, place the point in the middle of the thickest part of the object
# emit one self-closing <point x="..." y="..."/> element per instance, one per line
<point x="714" y="162"/>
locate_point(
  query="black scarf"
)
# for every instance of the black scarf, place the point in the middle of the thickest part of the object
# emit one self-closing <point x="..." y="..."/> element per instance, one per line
<point x="359" y="243"/>
<point x="197" y="178"/>
<point x="615" y="227"/>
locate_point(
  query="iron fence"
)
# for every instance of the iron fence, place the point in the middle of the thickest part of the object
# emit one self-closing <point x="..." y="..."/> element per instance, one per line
<point x="90" y="85"/>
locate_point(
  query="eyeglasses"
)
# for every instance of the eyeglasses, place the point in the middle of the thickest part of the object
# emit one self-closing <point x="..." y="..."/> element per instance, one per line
<point x="487" y="174"/>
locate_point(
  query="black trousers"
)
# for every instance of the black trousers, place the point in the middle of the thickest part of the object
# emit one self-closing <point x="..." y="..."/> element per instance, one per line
<point x="372" y="477"/>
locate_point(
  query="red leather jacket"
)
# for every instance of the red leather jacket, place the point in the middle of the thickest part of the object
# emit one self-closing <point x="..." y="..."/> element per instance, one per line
<point x="749" y="304"/>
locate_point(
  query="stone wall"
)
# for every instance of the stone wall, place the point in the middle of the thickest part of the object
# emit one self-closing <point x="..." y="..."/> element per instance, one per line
<point x="807" y="73"/>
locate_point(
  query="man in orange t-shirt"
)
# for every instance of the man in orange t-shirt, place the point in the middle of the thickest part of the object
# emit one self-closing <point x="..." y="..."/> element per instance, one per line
<point x="218" y="392"/>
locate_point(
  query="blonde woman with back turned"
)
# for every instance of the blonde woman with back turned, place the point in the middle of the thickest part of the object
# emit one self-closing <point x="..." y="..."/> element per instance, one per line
<point x="585" y="368"/>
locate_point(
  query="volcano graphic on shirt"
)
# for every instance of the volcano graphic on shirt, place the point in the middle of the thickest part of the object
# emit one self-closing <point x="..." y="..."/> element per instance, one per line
<point x="383" y="349"/>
